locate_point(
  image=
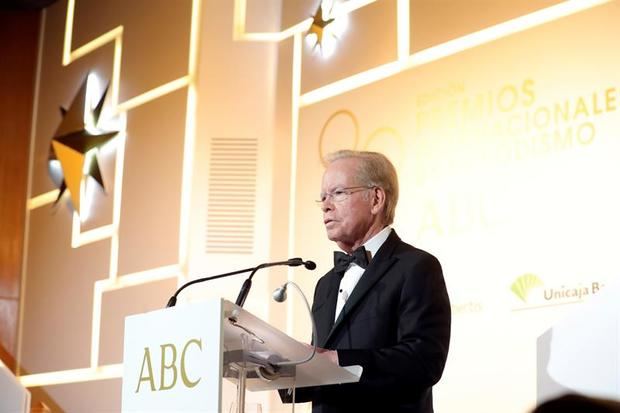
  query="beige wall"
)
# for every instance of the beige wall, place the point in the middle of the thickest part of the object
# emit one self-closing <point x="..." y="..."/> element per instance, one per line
<point x="486" y="203"/>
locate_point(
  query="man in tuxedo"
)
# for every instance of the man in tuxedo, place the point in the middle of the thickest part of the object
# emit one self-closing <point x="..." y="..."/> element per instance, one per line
<point x="384" y="305"/>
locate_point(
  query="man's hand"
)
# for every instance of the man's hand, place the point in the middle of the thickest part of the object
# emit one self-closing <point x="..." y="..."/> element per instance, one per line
<point x="332" y="355"/>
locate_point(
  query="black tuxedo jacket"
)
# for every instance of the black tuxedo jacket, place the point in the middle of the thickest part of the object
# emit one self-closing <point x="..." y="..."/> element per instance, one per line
<point x="395" y="324"/>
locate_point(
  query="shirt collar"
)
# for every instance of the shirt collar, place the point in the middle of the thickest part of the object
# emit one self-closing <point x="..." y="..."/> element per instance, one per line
<point x="373" y="244"/>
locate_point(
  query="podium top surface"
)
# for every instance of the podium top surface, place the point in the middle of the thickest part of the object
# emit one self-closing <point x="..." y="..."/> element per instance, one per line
<point x="244" y="331"/>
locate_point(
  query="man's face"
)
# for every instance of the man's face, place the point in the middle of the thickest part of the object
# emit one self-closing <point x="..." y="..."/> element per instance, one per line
<point x="348" y="221"/>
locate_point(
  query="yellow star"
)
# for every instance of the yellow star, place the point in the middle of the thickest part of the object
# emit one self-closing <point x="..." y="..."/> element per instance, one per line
<point x="75" y="146"/>
<point x="318" y="26"/>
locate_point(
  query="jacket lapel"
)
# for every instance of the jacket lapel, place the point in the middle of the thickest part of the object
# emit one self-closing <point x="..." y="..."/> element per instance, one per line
<point x="326" y="317"/>
<point x="378" y="267"/>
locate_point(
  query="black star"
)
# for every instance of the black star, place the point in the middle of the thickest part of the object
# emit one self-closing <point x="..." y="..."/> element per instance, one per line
<point x="74" y="144"/>
<point x="318" y="26"/>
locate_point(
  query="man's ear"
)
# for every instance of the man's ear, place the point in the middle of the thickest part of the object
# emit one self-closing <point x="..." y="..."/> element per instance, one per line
<point x="378" y="200"/>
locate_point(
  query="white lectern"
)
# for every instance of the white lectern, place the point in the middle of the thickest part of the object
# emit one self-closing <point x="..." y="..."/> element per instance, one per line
<point x="175" y="358"/>
<point x="13" y="396"/>
<point x="582" y="352"/>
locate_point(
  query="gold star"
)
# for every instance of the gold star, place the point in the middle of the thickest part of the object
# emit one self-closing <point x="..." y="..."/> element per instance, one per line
<point x="75" y="145"/>
<point x="318" y="26"/>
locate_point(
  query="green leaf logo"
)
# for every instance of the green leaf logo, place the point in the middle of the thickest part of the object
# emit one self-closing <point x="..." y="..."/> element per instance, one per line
<point x="523" y="285"/>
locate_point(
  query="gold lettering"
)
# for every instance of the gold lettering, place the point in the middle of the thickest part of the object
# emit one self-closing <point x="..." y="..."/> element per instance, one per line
<point x="528" y="90"/>
<point x="430" y="220"/>
<point x="146" y="360"/>
<point x="610" y="99"/>
<point x="595" y="107"/>
<point x="515" y="124"/>
<point x="184" y="377"/>
<point x="585" y="133"/>
<point x="561" y="112"/>
<point x="563" y="141"/>
<point x="506" y="105"/>
<point x="581" y="108"/>
<point x="542" y="122"/>
<point x="171" y="366"/>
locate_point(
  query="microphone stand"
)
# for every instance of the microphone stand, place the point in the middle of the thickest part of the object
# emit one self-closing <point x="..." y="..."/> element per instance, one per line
<point x="173" y="300"/>
<point x="247" y="284"/>
<point x="245" y="288"/>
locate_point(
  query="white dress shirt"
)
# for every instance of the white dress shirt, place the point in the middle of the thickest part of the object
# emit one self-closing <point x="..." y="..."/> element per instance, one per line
<point x="353" y="274"/>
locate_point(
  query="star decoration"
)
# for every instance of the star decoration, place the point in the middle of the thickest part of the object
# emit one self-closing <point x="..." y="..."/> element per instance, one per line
<point x="75" y="145"/>
<point x="318" y="26"/>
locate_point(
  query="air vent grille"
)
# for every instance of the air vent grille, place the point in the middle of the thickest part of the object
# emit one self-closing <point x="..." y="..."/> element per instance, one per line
<point x="232" y="196"/>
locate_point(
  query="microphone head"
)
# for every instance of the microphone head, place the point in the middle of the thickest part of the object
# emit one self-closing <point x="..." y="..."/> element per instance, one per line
<point x="310" y="265"/>
<point x="172" y="301"/>
<point x="279" y="294"/>
<point x="295" y="262"/>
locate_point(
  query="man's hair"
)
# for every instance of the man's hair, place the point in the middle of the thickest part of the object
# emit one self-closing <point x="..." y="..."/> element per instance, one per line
<point x="374" y="169"/>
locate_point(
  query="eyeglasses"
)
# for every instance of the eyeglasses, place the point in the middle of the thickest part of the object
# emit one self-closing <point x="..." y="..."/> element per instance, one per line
<point x="340" y="194"/>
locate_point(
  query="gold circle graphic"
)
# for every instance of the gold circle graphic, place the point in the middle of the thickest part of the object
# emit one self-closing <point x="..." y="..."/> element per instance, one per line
<point x="397" y="159"/>
<point x="343" y="112"/>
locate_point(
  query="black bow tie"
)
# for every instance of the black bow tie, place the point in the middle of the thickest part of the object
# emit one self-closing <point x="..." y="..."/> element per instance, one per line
<point x="342" y="260"/>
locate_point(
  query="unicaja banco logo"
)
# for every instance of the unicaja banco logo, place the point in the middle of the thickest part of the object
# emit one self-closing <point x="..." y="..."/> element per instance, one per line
<point x="534" y="293"/>
<point x="524" y="284"/>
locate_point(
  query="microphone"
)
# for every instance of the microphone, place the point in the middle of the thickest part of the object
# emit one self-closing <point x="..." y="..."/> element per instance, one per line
<point x="173" y="300"/>
<point x="293" y="262"/>
<point x="296" y="262"/>
<point x="247" y="284"/>
<point x="279" y="295"/>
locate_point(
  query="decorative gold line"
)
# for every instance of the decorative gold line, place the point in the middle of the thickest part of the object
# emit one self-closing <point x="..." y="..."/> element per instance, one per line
<point x="110" y="371"/>
<point x="194" y="40"/>
<point x="296" y="92"/>
<point x="79" y="239"/>
<point x="95" y="333"/>
<point x="537" y="307"/>
<point x="117" y="202"/>
<point x="93" y="235"/>
<point x="275" y="36"/>
<point x="128" y="280"/>
<point x="141" y="277"/>
<point x="239" y="10"/>
<point x="42" y="199"/>
<point x="66" y="49"/>
<point x="449" y="48"/>
<point x="239" y="17"/>
<point x="95" y="44"/>
<point x="239" y="33"/>
<point x="154" y="94"/>
<point x="116" y="72"/>
<point x="402" y="29"/>
<point x="340" y="9"/>
<point x="189" y="141"/>
<point x="69" y="56"/>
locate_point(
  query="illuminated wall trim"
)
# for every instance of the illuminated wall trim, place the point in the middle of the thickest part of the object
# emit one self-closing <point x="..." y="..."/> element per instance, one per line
<point x="446" y="49"/>
<point x="154" y="93"/>
<point x="114" y="281"/>
<point x="125" y="281"/>
<point x="111" y="371"/>
<point x="402" y="29"/>
<point x="42" y="199"/>
<point x="239" y="16"/>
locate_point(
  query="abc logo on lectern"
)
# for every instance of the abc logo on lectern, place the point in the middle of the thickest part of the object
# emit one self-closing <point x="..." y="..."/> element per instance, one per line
<point x="168" y="362"/>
